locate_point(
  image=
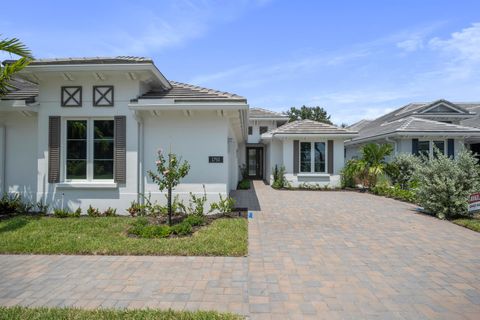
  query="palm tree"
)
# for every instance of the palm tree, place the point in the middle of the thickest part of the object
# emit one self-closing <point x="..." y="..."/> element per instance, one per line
<point x="372" y="164"/>
<point x="12" y="46"/>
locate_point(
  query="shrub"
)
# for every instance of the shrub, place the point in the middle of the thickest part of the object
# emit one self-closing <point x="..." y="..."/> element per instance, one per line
<point x="348" y="174"/>
<point x="279" y="180"/>
<point x="110" y="212"/>
<point x="196" y="204"/>
<point x="402" y="169"/>
<point x="77" y="213"/>
<point x="93" y="212"/>
<point x="244" y="184"/>
<point x="444" y="184"/>
<point x="136" y="209"/>
<point x="42" y="207"/>
<point x="181" y="229"/>
<point x="395" y="192"/>
<point x="224" y="206"/>
<point x="61" y="213"/>
<point x="243" y="172"/>
<point x="13" y="204"/>
<point x="194" y="220"/>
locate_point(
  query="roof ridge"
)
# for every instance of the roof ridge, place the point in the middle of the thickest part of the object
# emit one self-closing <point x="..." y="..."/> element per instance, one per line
<point x="443" y="123"/>
<point x="204" y="89"/>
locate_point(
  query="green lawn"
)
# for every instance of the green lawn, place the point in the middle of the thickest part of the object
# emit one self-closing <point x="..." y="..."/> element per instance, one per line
<point x="78" y="314"/>
<point x="107" y="236"/>
<point x="473" y="224"/>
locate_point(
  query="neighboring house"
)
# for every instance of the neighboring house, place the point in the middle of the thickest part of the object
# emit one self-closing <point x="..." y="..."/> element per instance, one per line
<point x="80" y="132"/>
<point x="417" y="127"/>
<point x="311" y="152"/>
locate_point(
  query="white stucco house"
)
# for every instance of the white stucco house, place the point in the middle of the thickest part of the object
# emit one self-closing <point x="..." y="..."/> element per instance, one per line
<point x="418" y="127"/>
<point x="84" y="131"/>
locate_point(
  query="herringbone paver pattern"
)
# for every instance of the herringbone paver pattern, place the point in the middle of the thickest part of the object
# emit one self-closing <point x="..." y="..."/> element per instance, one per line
<point x="312" y="255"/>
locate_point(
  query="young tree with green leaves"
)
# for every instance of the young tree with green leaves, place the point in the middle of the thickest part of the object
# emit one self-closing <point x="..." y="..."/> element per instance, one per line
<point x="12" y="46"/>
<point x="168" y="175"/>
<point x="372" y="163"/>
<point x="312" y="113"/>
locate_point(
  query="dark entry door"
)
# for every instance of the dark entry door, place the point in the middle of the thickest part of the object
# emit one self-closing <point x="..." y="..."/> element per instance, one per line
<point x="255" y="163"/>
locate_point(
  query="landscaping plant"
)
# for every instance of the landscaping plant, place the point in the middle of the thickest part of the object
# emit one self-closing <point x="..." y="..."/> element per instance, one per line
<point x="279" y="180"/>
<point x="224" y="206"/>
<point x="244" y="184"/>
<point x="168" y="176"/>
<point x="402" y="169"/>
<point x="93" y="212"/>
<point x="196" y="204"/>
<point x="13" y="204"/>
<point x="444" y="184"/>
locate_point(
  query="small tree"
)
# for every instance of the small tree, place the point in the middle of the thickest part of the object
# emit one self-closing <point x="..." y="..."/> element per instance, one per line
<point x="312" y="113"/>
<point x="168" y="175"/>
<point x="372" y="164"/>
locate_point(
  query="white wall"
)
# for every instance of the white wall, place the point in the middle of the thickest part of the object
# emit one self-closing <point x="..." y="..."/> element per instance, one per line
<point x="50" y="105"/>
<point x="194" y="138"/>
<point x="256" y="124"/>
<point x="19" y="153"/>
<point x="275" y="157"/>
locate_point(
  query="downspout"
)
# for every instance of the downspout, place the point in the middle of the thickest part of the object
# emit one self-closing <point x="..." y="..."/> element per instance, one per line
<point x="140" y="159"/>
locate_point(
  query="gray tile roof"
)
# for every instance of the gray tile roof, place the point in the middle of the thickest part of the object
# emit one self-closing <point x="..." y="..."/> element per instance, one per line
<point x="22" y="90"/>
<point x="92" y="60"/>
<point x="407" y="119"/>
<point x="259" y="113"/>
<point x="186" y="92"/>
<point x="412" y="125"/>
<point x="359" y="125"/>
<point x="309" y="127"/>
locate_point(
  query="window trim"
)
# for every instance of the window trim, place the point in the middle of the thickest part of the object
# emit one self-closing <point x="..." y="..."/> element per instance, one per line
<point x="90" y="150"/>
<point x="312" y="158"/>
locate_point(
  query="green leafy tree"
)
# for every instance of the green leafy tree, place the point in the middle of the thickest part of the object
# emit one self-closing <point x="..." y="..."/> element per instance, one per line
<point x="168" y="175"/>
<point x="312" y="113"/>
<point x="402" y="169"/>
<point x="13" y="47"/>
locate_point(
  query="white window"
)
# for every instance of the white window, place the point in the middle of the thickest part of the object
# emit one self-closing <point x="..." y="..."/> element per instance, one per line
<point x="88" y="149"/>
<point x="313" y="157"/>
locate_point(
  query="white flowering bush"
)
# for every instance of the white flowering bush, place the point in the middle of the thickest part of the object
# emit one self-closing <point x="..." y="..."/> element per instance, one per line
<point x="444" y="184"/>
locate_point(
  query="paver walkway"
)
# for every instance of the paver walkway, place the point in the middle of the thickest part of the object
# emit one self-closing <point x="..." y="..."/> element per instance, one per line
<point x="312" y="255"/>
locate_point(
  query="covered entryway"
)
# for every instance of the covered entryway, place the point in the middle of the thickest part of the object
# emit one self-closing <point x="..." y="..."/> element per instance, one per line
<point x="255" y="162"/>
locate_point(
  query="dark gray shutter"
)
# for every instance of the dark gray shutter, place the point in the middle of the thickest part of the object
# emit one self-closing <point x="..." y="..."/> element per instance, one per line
<point x="415" y="147"/>
<point x="54" y="127"/>
<point x="451" y="148"/>
<point x="295" y="156"/>
<point x="120" y="149"/>
<point x="330" y="156"/>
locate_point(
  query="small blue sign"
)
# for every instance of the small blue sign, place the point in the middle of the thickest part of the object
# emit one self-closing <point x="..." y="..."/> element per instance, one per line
<point x="250" y="215"/>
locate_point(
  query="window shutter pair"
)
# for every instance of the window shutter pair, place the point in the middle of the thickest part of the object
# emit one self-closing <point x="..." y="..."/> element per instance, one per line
<point x="296" y="156"/>
<point x="120" y="149"/>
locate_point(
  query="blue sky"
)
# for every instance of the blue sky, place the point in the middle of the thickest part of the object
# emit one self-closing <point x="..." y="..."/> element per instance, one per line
<point x="357" y="59"/>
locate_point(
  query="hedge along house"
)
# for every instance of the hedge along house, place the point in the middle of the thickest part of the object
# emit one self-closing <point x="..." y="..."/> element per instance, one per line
<point x="311" y="152"/>
<point x="419" y="127"/>
<point x="80" y="132"/>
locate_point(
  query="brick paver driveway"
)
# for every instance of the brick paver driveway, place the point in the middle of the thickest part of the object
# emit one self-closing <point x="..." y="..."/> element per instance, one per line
<point x="345" y="255"/>
<point x="318" y="255"/>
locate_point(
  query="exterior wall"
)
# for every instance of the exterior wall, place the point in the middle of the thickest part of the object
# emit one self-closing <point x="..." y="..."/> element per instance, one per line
<point x="256" y="124"/>
<point x="194" y="138"/>
<point x="19" y="154"/>
<point x="50" y="105"/>
<point x="275" y="158"/>
<point x="282" y="153"/>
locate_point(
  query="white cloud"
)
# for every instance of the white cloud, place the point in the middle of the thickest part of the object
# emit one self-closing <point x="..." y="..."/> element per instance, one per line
<point x="463" y="45"/>
<point x="413" y="44"/>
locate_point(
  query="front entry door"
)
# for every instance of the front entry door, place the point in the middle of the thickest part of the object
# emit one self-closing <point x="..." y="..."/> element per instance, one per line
<point x="255" y="163"/>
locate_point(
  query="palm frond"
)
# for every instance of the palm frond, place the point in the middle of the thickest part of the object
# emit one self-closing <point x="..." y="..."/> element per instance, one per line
<point x="7" y="72"/>
<point x="15" y="46"/>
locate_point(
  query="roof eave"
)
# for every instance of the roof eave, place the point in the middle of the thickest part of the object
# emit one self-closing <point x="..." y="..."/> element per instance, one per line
<point x="436" y="133"/>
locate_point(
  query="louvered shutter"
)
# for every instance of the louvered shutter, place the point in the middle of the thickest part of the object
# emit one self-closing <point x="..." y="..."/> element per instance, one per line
<point x="54" y="136"/>
<point x="330" y="156"/>
<point x="296" y="156"/>
<point x="120" y="149"/>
